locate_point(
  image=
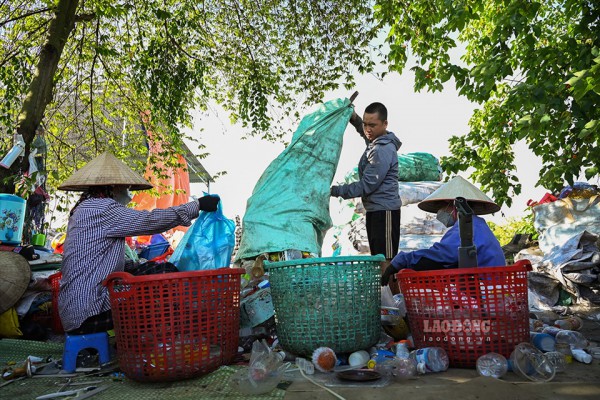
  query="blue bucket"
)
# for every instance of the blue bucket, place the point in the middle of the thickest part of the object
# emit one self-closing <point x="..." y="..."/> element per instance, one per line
<point x="12" y="217"/>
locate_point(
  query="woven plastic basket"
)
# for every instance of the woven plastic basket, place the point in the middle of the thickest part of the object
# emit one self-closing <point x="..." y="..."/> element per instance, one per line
<point x="333" y="302"/>
<point x="55" y="284"/>
<point x="177" y="325"/>
<point x="468" y="312"/>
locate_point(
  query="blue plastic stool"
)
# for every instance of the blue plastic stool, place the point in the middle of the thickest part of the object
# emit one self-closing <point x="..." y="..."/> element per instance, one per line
<point x="75" y="343"/>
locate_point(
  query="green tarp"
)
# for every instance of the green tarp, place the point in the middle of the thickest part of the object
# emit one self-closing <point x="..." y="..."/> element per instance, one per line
<point x="289" y="207"/>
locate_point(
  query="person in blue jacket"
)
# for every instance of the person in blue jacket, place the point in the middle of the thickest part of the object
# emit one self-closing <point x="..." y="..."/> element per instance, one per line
<point x="444" y="254"/>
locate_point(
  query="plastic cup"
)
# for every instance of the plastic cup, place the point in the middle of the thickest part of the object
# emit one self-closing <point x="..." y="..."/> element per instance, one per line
<point x="530" y="363"/>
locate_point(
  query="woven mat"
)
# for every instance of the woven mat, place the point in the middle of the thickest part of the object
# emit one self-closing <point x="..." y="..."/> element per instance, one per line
<point x="212" y="386"/>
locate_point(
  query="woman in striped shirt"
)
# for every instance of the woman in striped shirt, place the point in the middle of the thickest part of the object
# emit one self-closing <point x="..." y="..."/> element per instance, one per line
<point x="95" y="243"/>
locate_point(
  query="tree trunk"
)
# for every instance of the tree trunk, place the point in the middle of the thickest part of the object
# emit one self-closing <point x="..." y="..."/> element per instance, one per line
<point x="42" y="84"/>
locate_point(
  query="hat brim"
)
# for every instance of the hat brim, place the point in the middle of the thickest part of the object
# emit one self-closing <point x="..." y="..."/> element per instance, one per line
<point x="14" y="278"/>
<point x="459" y="187"/>
<point x="105" y="170"/>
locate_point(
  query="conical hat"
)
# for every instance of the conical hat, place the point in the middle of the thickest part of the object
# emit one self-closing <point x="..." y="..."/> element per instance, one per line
<point x="459" y="187"/>
<point x="14" y="278"/>
<point x="105" y="170"/>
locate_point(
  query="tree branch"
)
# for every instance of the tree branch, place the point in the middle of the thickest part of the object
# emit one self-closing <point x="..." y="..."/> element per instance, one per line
<point x="28" y="14"/>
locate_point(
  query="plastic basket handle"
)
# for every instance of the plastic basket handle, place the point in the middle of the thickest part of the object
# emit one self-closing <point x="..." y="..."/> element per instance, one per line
<point x="114" y="276"/>
<point x="525" y="264"/>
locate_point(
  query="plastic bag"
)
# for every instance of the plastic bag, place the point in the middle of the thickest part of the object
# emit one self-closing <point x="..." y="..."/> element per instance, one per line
<point x="208" y="244"/>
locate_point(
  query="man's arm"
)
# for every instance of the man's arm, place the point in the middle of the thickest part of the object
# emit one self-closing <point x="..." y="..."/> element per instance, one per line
<point x="357" y="123"/>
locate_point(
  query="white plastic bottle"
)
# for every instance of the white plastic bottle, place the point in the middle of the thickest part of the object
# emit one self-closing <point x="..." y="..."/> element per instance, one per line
<point x="492" y="364"/>
<point x="581" y="355"/>
<point x="430" y="359"/>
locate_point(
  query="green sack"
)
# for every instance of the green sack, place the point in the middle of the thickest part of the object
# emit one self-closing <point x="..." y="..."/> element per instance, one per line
<point x="412" y="167"/>
<point x="289" y="206"/>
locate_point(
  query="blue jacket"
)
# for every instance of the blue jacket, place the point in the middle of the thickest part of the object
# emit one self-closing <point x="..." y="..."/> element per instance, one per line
<point x="489" y="252"/>
<point x="378" y="176"/>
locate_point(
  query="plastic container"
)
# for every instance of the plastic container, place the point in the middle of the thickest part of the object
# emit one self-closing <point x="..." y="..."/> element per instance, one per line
<point x="493" y="365"/>
<point x="557" y="359"/>
<point x="154" y="250"/>
<point x="565" y="350"/>
<point x="468" y="312"/>
<point x="55" y="285"/>
<point x="572" y="338"/>
<point x="332" y="302"/>
<point x="306" y="366"/>
<point x="530" y="363"/>
<point x="177" y="325"/>
<point x="542" y="341"/>
<point x="430" y="359"/>
<point x="12" y="217"/>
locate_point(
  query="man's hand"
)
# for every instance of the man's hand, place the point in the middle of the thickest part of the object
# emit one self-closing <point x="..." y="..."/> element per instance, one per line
<point x="389" y="272"/>
<point x="209" y="203"/>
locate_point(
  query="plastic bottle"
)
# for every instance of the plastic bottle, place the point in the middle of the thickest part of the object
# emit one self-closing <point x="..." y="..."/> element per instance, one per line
<point x="492" y="364"/>
<point x="430" y="359"/>
<point x="575" y="322"/>
<point x="402" y="349"/>
<point x="564" y="324"/>
<point x="397" y="368"/>
<point x="572" y="338"/>
<point x="557" y="359"/>
<point x="400" y="304"/>
<point x="581" y="356"/>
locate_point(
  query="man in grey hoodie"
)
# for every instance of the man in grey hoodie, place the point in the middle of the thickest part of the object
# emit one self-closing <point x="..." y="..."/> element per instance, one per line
<point x="378" y="181"/>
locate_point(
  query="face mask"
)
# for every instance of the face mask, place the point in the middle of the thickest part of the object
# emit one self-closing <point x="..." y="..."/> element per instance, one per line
<point x="445" y="218"/>
<point x="122" y="195"/>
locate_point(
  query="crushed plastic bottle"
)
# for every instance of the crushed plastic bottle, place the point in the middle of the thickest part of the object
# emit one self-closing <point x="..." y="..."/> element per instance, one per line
<point x="542" y="341"/>
<point x="397" y="368"/>
<point x="493" y="365"/>
<point x="400" y="304"/>
<point x="557" y="359"/>
<point x="305" y="365"/>
<point x="573" y="338"/>
<point x="430" y="359"/>
<point x="402" y="349"/>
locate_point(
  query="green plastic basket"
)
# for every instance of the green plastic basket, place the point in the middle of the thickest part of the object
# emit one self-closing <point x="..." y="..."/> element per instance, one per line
<point x="333" y="302"/>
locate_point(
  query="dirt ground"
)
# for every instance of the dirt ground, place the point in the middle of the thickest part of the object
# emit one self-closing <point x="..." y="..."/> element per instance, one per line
<point x="579" y="381"/>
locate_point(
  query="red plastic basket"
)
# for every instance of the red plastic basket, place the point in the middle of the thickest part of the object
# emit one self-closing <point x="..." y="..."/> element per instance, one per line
<point x="468" y="312"/>
<point x="177" y="325"/>
<point x="55" y="284"/>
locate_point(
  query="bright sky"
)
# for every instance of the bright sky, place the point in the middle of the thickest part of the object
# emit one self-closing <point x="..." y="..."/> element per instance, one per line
<point x="423" y="121"/>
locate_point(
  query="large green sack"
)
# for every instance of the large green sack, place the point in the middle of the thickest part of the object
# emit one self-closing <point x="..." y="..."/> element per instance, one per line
<point x="289" y="206"/>
<point x="412" y="167"/>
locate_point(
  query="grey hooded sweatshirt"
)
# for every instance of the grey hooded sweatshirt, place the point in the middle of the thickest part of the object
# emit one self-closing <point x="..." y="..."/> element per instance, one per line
<point x="378" y="176"/>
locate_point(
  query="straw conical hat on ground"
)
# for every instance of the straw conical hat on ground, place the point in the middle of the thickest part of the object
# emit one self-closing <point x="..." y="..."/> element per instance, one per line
<point x="14" y="278"/>
<point x="459" y="187"/>
<point x="105" y="170"/>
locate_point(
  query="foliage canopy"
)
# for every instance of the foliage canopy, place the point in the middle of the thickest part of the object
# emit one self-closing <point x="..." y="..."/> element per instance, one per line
<point x="532" y="66"/>
<point x="261" y="60"/>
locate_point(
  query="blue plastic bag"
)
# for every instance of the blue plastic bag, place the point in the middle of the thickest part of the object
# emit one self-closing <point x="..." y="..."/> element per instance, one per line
<point x="208" y="243"/>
